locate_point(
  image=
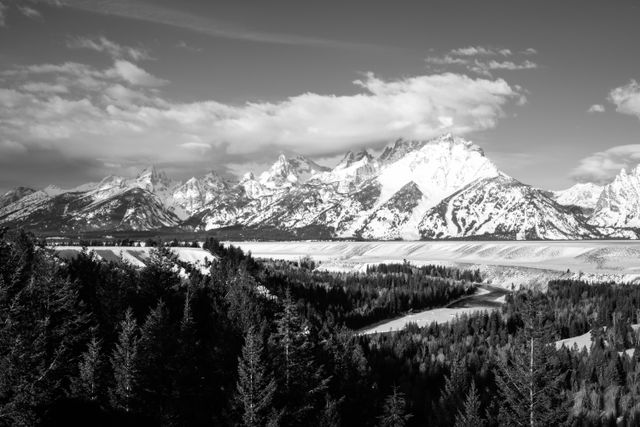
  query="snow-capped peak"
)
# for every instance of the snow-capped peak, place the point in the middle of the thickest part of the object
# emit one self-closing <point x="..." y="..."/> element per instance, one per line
<point x="584" y="195"/>
<point x="619" y="202"/>
<point x="350" y="158"/>
<point x="287" y="172"/>
<point x="151" y="179"/>
<point x="439" y="166"/>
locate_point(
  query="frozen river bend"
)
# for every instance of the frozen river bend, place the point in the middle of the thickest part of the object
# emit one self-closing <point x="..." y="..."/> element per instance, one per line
<point x="502" y="262"/>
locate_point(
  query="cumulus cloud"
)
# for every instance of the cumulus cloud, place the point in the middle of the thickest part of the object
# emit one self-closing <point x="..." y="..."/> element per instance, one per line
<point x="482" y="60"/>
<point x="596" y="108"/>
<point x="603" y="166"/>
<point x="118" y="116"/>
<point x="627" y="98"/>
<point x="113" y="49"/>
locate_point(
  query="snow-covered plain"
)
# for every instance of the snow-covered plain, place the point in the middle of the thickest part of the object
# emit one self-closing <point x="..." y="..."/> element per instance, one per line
<point x="502" y="263"/>
<point x="424" y="318"/>
<point x="138" y="255"/>
<point x="583" y="341"/>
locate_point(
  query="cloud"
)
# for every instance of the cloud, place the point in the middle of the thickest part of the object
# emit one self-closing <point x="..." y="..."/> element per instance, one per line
<point x="86" y="77"/>
<point x="29" y="12"/>
<point x="596" y="108"/>
<point x="603" y="166"/>
<point x="485" y="68"/>
<point x="184" y="45"/>
<point x="480" y="51"/>
<point x="9" y="147"/>
<point x="477" y="59"/>
<point x="627" y="98"/>
<point x="42" y="87"/>
<point x="446" y="60"/>
<point x="133" y="74"/>
<point x="104" y="45"/>
<point x="118" y="116"/>
<point x="149" y="12"/>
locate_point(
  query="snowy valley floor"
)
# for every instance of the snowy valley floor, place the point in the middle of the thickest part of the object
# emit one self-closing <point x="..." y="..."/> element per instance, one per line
<point x="486" y="298"/>
<point x="503" y="264"/>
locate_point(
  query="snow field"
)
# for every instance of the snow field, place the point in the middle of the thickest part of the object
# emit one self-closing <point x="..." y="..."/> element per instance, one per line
<point x="137" y="255"/>
<point x="524" y="261"/>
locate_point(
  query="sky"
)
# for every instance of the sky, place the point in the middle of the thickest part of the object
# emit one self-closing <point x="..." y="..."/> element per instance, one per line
<point x="90" y="88"/>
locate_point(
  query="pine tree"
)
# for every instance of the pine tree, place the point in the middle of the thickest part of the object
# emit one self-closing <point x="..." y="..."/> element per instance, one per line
<point x="529" y="381"/>
<point x="123" y="362"/>
<point x="255" y="387"/>
<point x="300" y="381"/>
<point x="87" y="384"/>
<point x="453" y="393"/>
<point x="330" y="416"/>
<point x="394" y="410"/>
<point x="470" y="415"/>
<point x="41" y="325"/>
<point x="154" y="368"/>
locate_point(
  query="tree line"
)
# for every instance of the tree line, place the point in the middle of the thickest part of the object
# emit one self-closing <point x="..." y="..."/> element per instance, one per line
<point x="252" y="343"/>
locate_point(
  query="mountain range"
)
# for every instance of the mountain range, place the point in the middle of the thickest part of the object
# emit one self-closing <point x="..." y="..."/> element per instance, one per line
<point x="438" y="189"/>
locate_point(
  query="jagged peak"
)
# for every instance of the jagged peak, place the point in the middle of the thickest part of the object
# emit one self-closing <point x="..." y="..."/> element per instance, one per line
<point x="401" y="146"/>
<point x="351" y="158"/>
<point x="248" y="176"/>
<point x="153" y="173"/>
<point x="622" y="174"/>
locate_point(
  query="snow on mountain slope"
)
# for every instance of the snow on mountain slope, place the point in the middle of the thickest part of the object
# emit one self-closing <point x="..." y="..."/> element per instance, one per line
<point x="351" y="172"/>
<point x="439" y="167"/>
<point x="134" y="209"/>
<point x="400" y="148"/>
<point x="287" y="172"/>
<point x="441" y="188"/>
<point x="14" y="195"/>
<point x="583" y="195"/>
<point x="23" y="207"/>
<point x="149" y="179"/>
<point x="195" y="194"/>
<point x="503" y="207"/>
<point x="389" y="219"/>
<point x="619" y="203"/>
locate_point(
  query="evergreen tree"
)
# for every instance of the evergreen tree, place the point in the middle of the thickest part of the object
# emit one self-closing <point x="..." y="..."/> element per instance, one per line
<point x="469" y="416"/>
<point x="529" y="380"/>
<point x="453" y="393"/>
<point x="330" y="416"/>
<point x="300" y="381"/>
<point x="394" y="410"/>
<point x="123" y="362"/>
<point x="87" y="384"/>
<point x="255" y="387"/>
<point x="154" y="367"/>
<point x="41" y="326"/>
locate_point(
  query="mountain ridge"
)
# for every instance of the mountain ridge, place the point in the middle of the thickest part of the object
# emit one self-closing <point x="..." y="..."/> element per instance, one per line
<point x="443" y="188"/>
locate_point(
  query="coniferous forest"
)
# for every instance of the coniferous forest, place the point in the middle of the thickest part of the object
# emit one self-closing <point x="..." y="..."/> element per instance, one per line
<point x="84" y="341"/>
